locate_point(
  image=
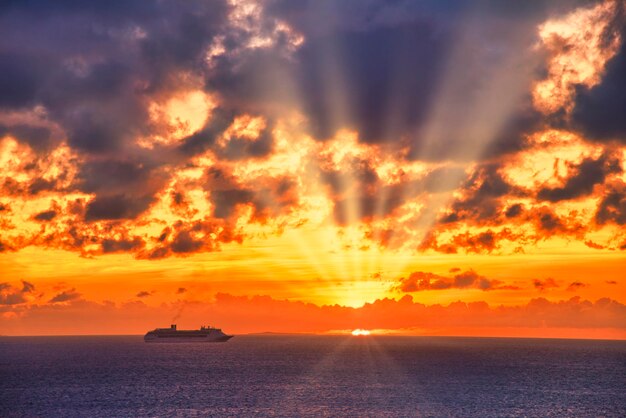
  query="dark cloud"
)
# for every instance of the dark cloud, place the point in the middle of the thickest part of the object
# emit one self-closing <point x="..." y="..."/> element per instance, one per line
<point x="45" y="216"/>
<point x="202" y="140"/>
<point x="117" y="207"/>
<point x="181" y="290"/>
<point x="121" y="245"/>
<point x="512" y="136"/>
<point x="270" y="196"/>
<point x="10" y="295"/>
<point x="38" y="137"/>
<point x="481" y="243"/>
<point x="612" y="207"/>
<point x="583" y="178"/>
<point x="548" y="223"/>
<point x="481" y="202"/>
<point x="574" y="286"/>
<point x="124" y="189"/>
<point x="5" y="247"/>
<point x="41" y="185"/>
<point x="21" y="79"/>
<point x="545" y="284"/>
<point x="143" y="294"/>
<point x="359" y="189"/>
<point x="420" y="281"/>
<point x="599" y="111"/>
<point x="65" y="296"/>
<point x="226" y="200"/>
<point x="385" y="69"/>
<point x="484" y="241"/>
<point x="114" y="176"/>
<point x="186" y="238"/>
<point x="95" y="68"/>
<point x="27" y="287"/>
<point x="185" y="243"/>
<point x="380" y="68"/>
<point x="514" y="210"/>
<point x="374" y="64"/>
<point x="98" y="129"/>
<point x="244" y="148"/>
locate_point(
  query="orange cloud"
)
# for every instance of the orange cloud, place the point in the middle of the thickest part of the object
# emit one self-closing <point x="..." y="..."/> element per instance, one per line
<point x="579" y="45"/>
<point x="420" y="281"/>
<point x="241" y="314"/>
<point x="10" y="295"/>
<point x="548" y="283"/>
<point x="65" y="296"/>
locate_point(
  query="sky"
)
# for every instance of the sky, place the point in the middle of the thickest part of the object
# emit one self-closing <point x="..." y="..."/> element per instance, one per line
<point x="420" y="168"/>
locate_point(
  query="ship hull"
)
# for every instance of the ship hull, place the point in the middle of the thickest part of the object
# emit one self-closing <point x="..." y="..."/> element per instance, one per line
<point x="185" y="339"/>
<point x="174" y="335"/>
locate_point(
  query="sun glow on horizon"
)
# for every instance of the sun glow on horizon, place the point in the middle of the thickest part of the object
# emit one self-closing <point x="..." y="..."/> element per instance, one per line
<point x="361" y="332"/>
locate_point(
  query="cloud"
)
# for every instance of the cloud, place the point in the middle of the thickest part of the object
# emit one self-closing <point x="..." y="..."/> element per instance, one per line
<point x="143" y="294"/>
<point x="38" y="137"/>
<point x="116" y="207"/>
<point x="481" y="201"/>
<point x="584" y="177"/>
<point x="545" y="284"/>
<point x="45" y="216"/>
<point x="481" y="242"/>
<point x="270" y="196"/>
<point x="578" y="46"/>
<point x="188" y="238"/>
<point x="195" y="122"/>
<point x="65" y="296"/>
<point x="181" y="290"/>
<point x="383" y="55"/>
<point x="99" y="96"/>
<point x="612" y="207"/>
<point x="121" y="245"/>
<point x="419" y="281"/>
<point x="574" y="286"/>
<point x="592" y="244"/>
<point x="598" y="110"/>
<point x="576" y="317"/>
<point x="10" y="295"/>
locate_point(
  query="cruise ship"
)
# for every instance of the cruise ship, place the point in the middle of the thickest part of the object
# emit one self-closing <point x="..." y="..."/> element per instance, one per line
<point x="173" y="335"/>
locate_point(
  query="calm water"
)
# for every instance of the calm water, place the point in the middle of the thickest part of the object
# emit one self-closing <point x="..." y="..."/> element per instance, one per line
<point x="311" y="375"/>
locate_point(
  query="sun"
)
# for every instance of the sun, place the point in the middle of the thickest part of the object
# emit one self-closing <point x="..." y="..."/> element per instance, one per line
<point x="360" y="332"/>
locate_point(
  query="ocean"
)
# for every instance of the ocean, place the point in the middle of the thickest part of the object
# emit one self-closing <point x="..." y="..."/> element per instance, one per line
<point x="282" y="375"/>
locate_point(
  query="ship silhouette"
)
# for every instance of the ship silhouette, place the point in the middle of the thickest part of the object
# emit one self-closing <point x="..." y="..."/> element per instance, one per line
<point x="205" y="334"/>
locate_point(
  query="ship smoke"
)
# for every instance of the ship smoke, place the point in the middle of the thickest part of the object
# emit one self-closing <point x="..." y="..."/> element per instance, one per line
<point x="179" y="312"/>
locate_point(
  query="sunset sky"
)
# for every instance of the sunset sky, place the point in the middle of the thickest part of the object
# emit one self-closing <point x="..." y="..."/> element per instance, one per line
<point x="425" y="168"/>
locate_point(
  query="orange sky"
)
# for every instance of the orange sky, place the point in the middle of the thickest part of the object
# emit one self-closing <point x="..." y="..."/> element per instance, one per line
<point x="217" y="209"/>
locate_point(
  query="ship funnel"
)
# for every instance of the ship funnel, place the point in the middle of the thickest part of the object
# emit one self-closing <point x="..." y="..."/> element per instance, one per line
<point x="173" y="326"/>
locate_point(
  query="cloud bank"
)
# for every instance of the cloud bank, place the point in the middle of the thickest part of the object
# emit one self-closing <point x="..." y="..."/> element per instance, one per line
<point x="241" y="314"/>
<point x="172" y="128"/>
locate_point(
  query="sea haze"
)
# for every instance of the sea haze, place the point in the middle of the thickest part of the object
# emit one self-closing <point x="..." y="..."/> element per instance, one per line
<point x="318" y="375"/>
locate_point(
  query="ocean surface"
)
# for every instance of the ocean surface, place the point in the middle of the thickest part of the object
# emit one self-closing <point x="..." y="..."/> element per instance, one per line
<point x="312" y="375"/>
